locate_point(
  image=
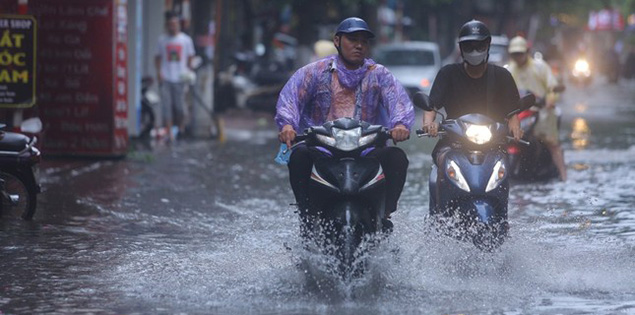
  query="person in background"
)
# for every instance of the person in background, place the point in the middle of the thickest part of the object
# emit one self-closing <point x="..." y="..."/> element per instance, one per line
<point x="535" y="75"/>
<point x="173" y="62"/>
<point x="323" y="48"/>
<point x="347" y="84"/>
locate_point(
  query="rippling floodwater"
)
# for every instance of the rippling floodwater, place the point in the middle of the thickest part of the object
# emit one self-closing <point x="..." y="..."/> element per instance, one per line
<point x="207" y="228"/>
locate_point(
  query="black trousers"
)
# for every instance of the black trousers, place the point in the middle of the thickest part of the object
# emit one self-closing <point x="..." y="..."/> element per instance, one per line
<point x="392" y="159"/>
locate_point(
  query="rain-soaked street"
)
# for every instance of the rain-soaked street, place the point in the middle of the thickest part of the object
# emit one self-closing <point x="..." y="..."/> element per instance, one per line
<point x="204" y="227"/>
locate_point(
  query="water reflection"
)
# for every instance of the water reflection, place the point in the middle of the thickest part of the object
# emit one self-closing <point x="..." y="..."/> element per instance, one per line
<point x="580" y="108"/>
<point x="207" y="228"/>
<point x="580" y="134"/>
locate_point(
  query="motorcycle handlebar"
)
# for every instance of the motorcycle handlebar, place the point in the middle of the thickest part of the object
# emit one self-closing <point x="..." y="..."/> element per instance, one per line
<point x="540" y="102"/>
<point x="300" y="138"/>
<point x="521" y="141"/>
<point x="303" y="137"/>
<point x="421" y="133"/>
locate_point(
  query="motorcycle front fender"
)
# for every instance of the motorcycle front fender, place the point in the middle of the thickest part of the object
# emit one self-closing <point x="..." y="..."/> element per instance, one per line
<point x="354" y="214"/>
<point x="484" y="210"/>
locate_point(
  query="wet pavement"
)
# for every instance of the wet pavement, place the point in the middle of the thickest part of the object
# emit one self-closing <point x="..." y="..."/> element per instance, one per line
<point x="203" y="227"/>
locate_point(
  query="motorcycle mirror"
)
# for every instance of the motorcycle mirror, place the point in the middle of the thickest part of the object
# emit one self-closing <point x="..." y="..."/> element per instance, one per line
<point x="31" y="125"/>
<point x="528" y="100"/>
<point x="559" y="88"/>
<point x="422" y="100"/>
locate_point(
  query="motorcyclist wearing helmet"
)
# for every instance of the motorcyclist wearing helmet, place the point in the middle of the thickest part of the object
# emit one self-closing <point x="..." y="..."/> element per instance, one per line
<point x="473" y="86"/>
<point x="348" y="84"/>
<point x="535" y="76"/>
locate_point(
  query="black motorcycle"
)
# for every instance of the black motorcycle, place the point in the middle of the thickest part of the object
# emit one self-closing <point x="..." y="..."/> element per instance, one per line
<point x="347" y="190"/>
<point x="18" y="161"/>
<point x="530" y="160"/>
<point x="472" y="195"/>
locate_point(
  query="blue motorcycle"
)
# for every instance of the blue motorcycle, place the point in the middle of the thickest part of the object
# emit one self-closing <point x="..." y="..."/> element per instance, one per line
<point x="472" y="190"/>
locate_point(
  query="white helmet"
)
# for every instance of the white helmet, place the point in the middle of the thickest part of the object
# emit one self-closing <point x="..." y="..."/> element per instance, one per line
<point x="518" y="44"/>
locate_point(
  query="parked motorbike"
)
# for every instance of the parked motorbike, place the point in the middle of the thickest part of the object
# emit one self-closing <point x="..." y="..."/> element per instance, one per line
<point x="254" y="81"/>
<point x="18" y="168"/>
<point x="347" y="190"/>
<point x="473" y="192"/>
<point x="531" y="160"/>
<point x="149" y="103"/>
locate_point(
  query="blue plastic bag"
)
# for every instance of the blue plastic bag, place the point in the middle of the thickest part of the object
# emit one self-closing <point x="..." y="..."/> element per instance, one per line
<point x="283" y="155"/>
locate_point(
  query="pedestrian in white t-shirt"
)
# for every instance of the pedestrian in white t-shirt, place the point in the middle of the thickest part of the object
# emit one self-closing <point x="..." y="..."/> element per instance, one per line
<point x="173" y="61"/>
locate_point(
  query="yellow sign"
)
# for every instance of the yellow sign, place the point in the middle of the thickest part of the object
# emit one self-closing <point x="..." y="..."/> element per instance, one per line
<point x="17" y="61"/>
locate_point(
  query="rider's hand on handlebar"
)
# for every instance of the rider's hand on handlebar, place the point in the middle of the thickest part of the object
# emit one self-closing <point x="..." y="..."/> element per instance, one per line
<point x="550" y="101"/>
<point x="514" y="127"/>
<point x="399" y="133"/>
<point x="431" y="128"/>
<point x="287" y="135"/>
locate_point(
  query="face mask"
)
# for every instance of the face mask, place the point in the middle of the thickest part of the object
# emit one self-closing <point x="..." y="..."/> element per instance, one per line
<point x="475" y="57"/>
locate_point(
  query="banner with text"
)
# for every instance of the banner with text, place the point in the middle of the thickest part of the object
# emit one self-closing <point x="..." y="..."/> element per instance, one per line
<point x="17" y="61"/>
<point x="82" y="76"/>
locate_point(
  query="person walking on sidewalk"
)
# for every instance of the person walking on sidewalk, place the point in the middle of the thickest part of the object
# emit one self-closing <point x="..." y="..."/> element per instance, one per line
<point x="348" y="84"/>
<point x="173" y="62"/>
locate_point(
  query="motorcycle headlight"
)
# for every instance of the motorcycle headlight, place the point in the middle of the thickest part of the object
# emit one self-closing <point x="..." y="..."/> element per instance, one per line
<point x="478" y="134"/>
<point x="581" y="67"/>
<point x="454" y="173"/>
<point x="498" y="174"/>
<point x="326" y="140"/>
<point x="367" y="139"/>
<point x="347" y="139"/>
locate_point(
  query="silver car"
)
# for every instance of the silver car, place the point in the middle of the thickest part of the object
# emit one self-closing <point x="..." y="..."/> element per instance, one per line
<point x="415" y="64"/>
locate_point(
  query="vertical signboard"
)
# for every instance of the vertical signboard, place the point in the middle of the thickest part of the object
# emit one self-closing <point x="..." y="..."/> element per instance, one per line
<point x="82" y="77"/>
<point x="17" y="61"/>
<point x="120" y="140"/>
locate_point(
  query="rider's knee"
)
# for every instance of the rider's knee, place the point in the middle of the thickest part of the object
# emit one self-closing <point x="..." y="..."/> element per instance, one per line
<point x="299" y="155"/>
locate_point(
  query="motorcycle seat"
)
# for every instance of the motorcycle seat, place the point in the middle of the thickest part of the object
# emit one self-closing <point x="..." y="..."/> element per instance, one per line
<point x="13" y="142"/>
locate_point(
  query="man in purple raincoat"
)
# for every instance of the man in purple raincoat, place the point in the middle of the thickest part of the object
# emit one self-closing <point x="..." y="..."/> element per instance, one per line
<point x="346" y="85"/>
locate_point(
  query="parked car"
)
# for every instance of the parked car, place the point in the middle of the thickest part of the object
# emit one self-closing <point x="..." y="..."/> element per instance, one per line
<point x="415" y="64"/>
<point x="497" y="52"/>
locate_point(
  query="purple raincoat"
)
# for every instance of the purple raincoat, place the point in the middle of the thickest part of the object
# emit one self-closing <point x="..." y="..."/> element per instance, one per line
<point x="306" y="98"/>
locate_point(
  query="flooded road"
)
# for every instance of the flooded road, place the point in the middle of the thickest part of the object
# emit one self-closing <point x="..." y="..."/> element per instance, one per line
<point x="206" y="228"/>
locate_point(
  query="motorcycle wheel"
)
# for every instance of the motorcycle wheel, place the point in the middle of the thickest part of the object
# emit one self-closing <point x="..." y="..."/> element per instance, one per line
<point x="147" y="120"/>
<point x="350" y="239"/>
<point x="16" y="185"/>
